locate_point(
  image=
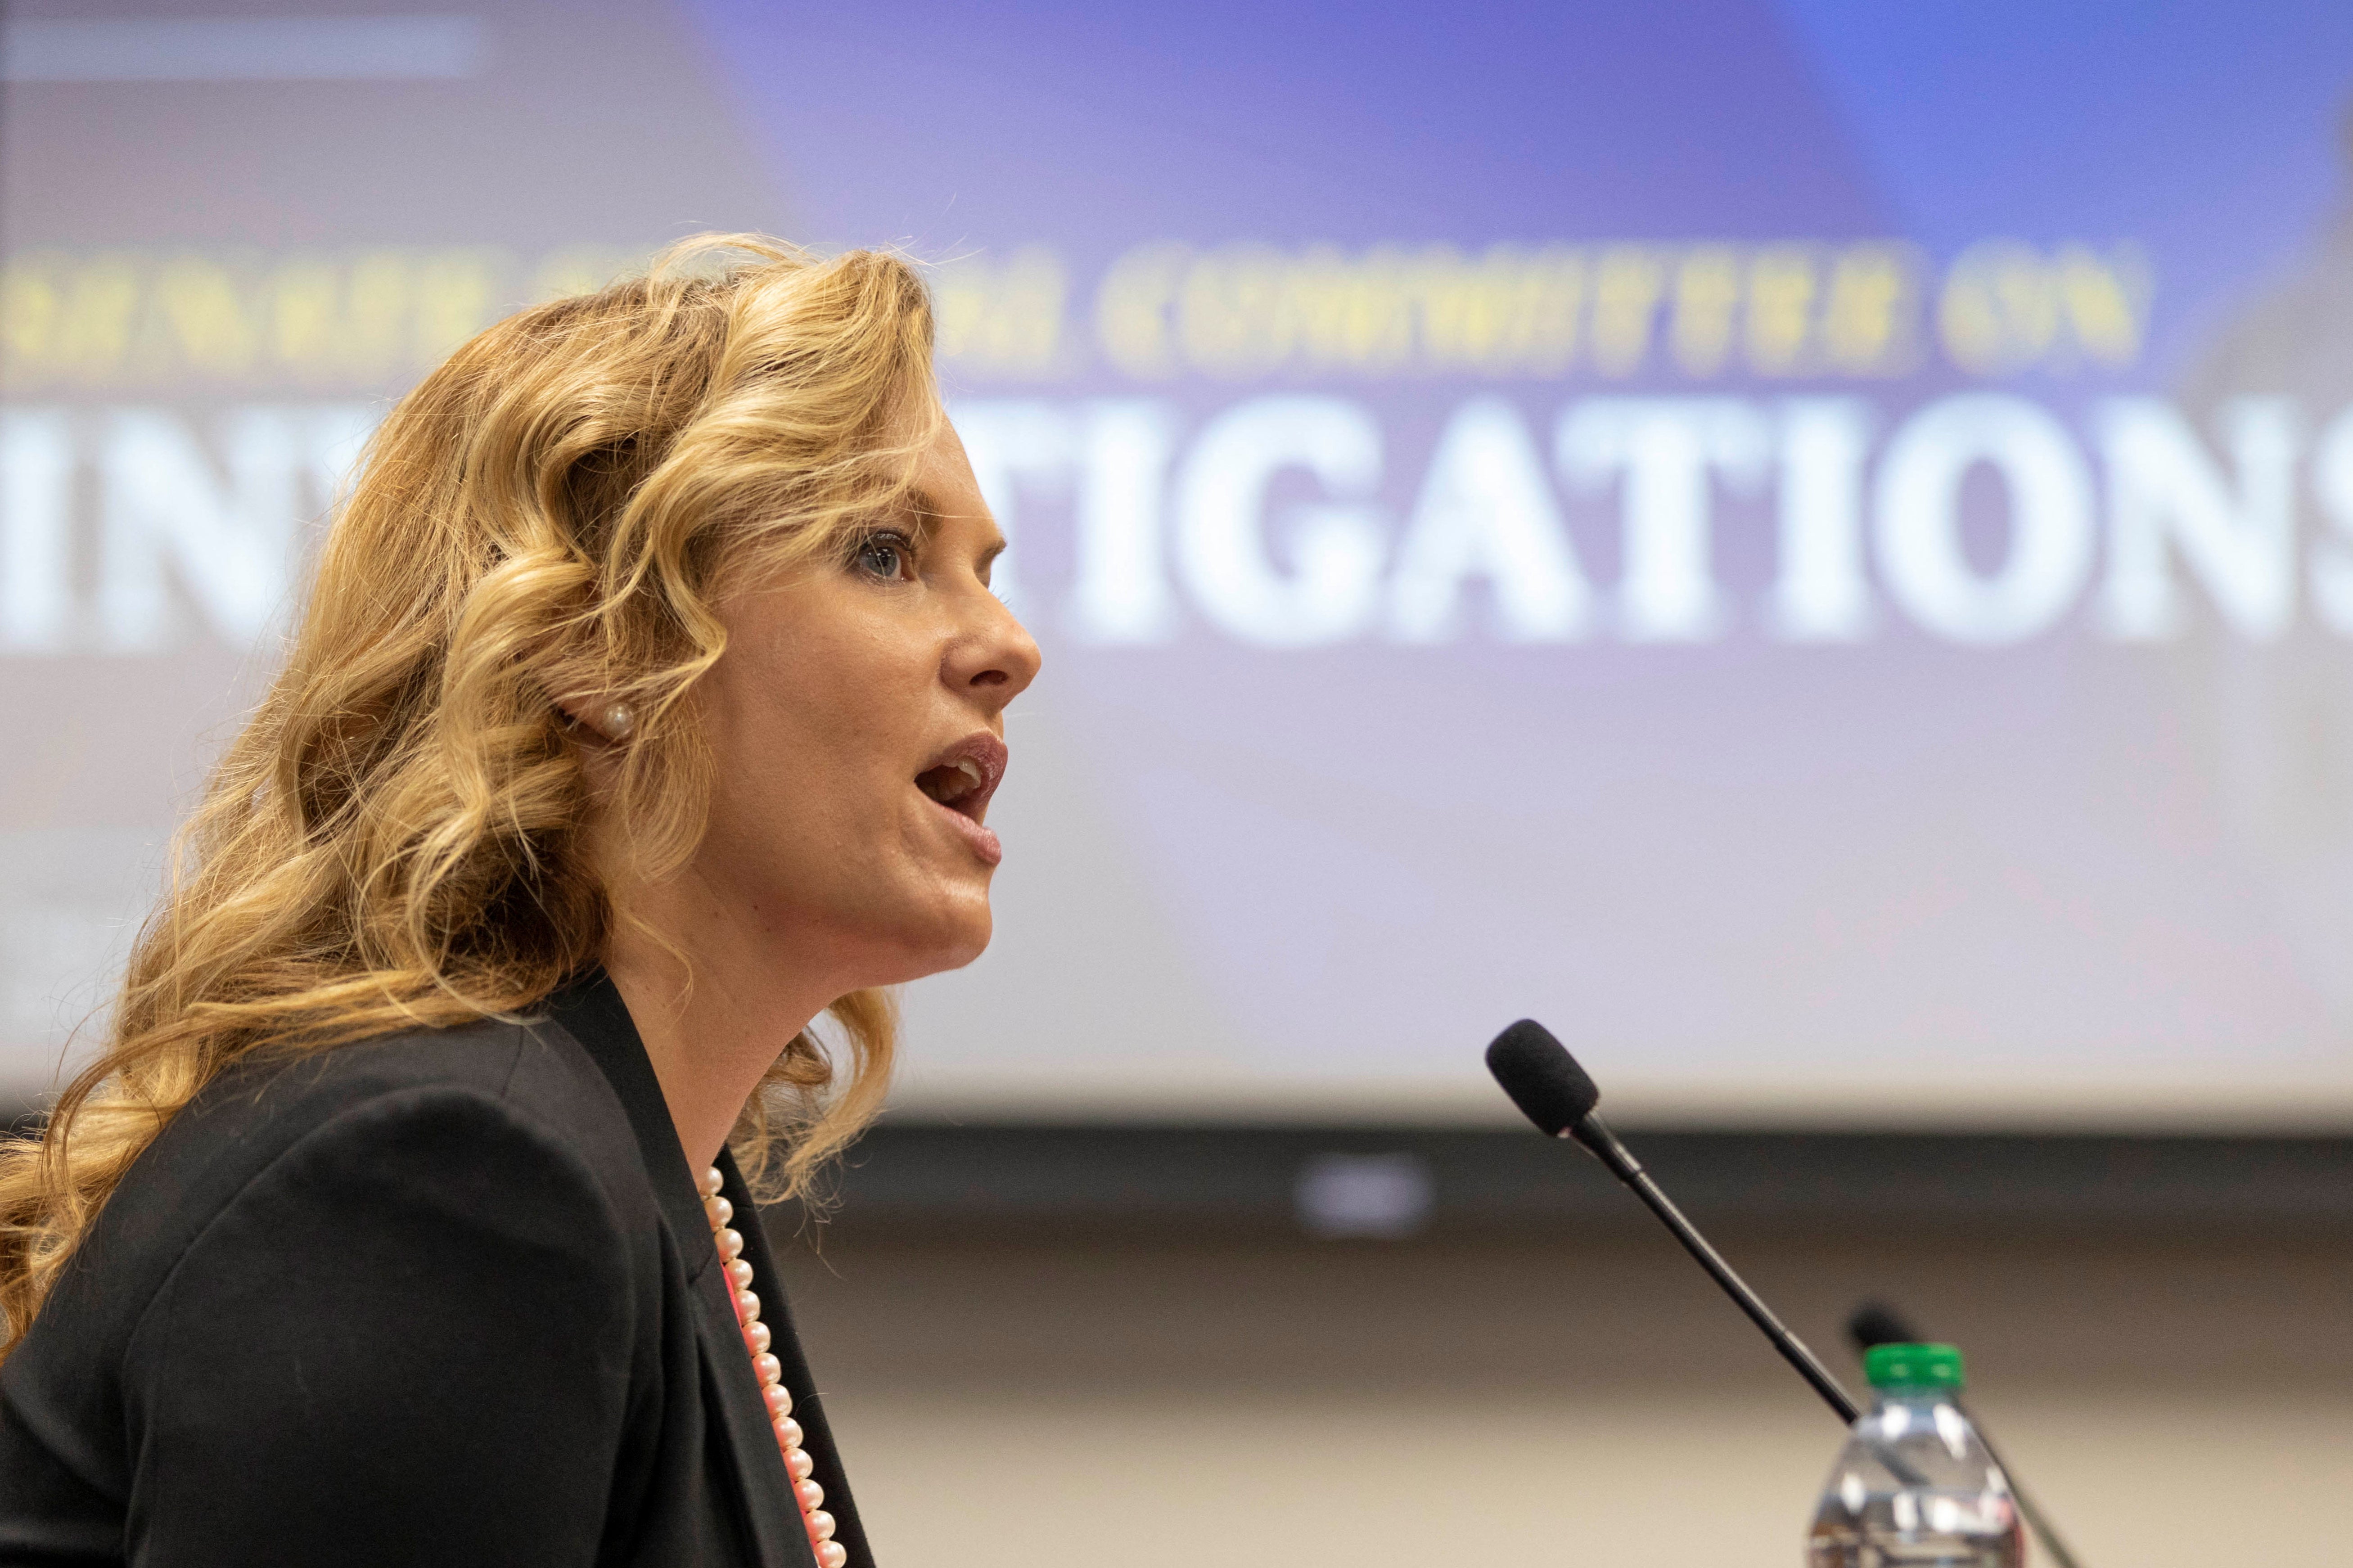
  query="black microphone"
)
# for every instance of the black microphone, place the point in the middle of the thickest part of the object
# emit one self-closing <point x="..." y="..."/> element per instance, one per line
<point x="1874" y="1323"/>
<point x="1544" y="1081"/>
<point x="1877" y="1323"/>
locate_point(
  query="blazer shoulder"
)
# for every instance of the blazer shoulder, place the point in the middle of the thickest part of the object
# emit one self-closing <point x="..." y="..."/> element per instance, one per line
<point x="533" y="1075"/>
<point x="250" y="1114"/>
<point x="433" y="1151"/>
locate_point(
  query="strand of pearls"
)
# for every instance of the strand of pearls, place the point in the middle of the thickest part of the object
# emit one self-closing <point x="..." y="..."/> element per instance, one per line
<point x="830" y="1553"/>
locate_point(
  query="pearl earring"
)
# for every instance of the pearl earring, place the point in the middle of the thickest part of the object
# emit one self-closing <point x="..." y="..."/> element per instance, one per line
<point x="616" y="720"/>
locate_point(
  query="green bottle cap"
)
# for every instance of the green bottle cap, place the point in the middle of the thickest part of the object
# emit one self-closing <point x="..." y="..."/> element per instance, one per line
<point x="1913" y="1366"/>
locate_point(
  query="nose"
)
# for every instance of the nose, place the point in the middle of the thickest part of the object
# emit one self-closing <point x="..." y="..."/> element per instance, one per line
<point x="997" y="658"/>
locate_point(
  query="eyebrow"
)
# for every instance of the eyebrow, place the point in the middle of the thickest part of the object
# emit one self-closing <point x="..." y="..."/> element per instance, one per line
<point x="926" y="507"/>
<point x="928" y="511"/>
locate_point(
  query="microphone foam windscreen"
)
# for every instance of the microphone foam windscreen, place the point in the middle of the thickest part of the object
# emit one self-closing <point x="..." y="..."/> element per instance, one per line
<point x="1543" y="1080"/>
<point x="1877" y="1323"/>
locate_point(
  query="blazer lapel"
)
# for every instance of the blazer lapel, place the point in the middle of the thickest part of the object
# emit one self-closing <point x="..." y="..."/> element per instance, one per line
<point x="808" y="1408"/>
<point x="591" y="1012"/>
<point x="773" y="1512"/>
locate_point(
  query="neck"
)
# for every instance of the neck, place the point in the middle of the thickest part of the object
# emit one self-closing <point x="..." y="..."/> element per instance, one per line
<point x="714" y="1030"/>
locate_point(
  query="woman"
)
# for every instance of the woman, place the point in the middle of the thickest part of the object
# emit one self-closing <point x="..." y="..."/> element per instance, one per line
<point x="647" y="707"/>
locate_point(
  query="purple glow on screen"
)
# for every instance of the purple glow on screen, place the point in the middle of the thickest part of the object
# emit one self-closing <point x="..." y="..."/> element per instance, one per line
<point x="1810" y="545"/>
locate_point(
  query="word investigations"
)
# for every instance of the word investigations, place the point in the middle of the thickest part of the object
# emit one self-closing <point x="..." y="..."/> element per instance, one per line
<point x="1295" y="520"/>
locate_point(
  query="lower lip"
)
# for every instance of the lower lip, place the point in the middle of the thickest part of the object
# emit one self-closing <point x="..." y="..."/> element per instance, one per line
<point x="982" y="839"/>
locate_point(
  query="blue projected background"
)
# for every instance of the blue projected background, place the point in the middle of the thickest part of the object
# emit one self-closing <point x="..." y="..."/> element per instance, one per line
<point x="1810" y="545"/>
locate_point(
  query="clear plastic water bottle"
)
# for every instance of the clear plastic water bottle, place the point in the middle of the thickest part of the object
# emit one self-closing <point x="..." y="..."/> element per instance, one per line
<point x="1915" y="1487"/>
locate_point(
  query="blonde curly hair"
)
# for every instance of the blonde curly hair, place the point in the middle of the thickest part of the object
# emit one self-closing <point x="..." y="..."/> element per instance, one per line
<point x="397" y="838"/>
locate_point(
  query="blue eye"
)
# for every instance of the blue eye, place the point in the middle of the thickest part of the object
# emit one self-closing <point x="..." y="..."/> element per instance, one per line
<point x="883" y="555"/>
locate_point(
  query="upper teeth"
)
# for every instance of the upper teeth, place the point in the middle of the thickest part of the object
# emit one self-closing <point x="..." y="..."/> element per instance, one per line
<point x="954" y="781"/>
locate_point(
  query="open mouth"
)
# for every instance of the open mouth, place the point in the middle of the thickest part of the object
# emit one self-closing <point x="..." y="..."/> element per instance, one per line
<point x="964" y="777"/>
<point x="959" y="785"/>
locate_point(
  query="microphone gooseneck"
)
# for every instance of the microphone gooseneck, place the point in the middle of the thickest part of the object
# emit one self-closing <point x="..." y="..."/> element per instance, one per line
<point x="1544" y="1081"/>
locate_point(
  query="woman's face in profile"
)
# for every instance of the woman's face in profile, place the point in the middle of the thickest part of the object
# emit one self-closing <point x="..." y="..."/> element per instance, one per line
<point x="857" y="722"/>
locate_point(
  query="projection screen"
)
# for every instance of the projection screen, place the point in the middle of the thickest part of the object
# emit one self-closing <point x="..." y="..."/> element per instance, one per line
<point x="1809" y="545"/>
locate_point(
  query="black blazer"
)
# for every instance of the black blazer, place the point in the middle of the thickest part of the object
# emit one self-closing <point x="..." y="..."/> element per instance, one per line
<point x="443" y="1298"/>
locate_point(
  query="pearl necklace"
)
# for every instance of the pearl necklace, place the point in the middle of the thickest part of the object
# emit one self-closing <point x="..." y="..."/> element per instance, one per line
<point x="830" y="1553"/>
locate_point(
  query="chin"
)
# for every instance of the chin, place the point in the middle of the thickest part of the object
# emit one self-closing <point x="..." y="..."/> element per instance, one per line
<point x="947" y="939"/>
<point x="962" y="954"/>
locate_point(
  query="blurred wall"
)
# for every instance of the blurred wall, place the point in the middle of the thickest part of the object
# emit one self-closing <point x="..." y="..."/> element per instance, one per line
<point x="2174" y="1395"/>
